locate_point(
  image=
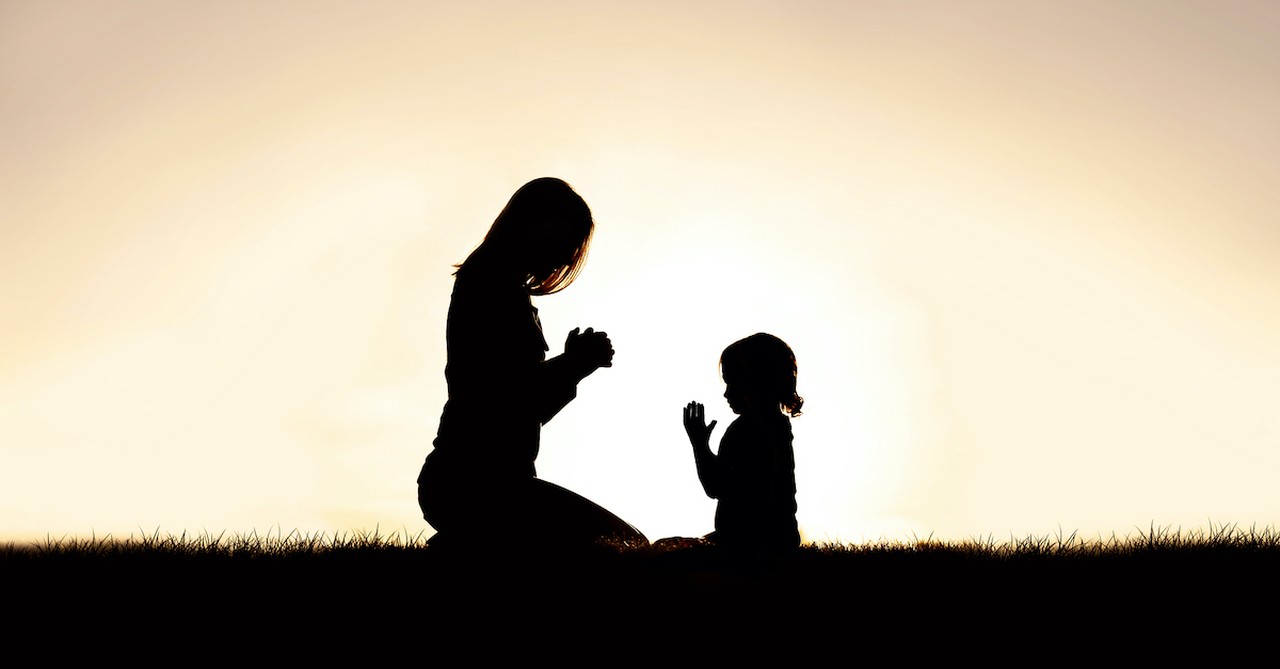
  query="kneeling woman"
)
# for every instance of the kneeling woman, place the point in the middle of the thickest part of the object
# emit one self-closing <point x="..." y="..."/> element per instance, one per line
<point x="480" y="479"/>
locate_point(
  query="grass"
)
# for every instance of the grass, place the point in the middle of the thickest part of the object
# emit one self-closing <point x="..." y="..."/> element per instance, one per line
<point x="1222" y="542"/>
<point x="371" y="579"/>
<point x="205" y="545"/>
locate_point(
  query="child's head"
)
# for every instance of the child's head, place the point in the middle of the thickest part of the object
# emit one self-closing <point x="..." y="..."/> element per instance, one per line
<point x="760" y="375"/>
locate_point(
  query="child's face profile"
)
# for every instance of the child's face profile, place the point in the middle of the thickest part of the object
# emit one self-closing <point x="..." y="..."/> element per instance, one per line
<point x="742" y="398"/>
<point x="733" y="394"/>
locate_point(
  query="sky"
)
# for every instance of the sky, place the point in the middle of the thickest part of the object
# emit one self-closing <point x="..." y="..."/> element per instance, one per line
<point x="1027" y="255"/>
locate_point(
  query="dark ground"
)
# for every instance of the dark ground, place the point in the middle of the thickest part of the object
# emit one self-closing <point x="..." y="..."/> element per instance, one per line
<point x="938" y="601"/>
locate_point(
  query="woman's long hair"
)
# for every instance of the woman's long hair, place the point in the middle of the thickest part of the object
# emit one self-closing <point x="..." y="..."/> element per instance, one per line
<point x="544" y="222"/>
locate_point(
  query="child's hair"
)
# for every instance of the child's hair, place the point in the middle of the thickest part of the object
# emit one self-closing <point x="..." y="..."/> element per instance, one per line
<point x="535" y="204"/>
<point x="766" y="365"/>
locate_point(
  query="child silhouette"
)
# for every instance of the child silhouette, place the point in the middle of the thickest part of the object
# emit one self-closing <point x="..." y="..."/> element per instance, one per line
<point x="753" y="473"/>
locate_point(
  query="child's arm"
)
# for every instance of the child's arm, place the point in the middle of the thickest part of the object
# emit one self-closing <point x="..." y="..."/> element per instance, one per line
<point x="700" y="437"/>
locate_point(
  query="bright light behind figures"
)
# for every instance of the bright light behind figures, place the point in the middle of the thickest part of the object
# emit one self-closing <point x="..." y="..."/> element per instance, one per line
<point x="1026" y="254"/>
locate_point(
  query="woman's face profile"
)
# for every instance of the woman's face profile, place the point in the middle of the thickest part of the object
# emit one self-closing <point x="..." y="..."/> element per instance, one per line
<point x="551" y="245"/>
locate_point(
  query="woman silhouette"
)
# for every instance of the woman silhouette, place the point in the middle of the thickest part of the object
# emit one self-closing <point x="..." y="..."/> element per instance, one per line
<point x="480" y="480"/>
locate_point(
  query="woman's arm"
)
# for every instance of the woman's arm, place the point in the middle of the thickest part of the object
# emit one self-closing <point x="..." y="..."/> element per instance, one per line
<point x="558" y="377"/>
<point x="699" y="432"/>
<point x="496" y="352"/>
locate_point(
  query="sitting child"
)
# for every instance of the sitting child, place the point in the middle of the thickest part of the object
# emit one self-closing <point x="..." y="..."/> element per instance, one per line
<point x="753" y="474"/>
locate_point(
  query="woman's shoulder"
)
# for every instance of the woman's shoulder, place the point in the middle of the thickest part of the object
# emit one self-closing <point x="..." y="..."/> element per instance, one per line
<point x="478" y="288"/>
<point x="482" y="280"/>
<point x="483" y="307"/>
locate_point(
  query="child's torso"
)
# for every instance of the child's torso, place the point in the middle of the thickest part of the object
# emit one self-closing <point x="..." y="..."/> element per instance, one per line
<point x="758" y="496"/>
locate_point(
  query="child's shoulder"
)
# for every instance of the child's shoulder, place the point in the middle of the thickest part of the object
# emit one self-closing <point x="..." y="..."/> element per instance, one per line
<point x="760" y="426"/>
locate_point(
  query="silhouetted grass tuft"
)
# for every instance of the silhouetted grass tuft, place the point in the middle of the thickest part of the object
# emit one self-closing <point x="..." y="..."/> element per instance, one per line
<point x="1156" y="541"/>
<point x="922" y="595"/>
<point x="214" y="548"/>
<point x="334" y="584"/>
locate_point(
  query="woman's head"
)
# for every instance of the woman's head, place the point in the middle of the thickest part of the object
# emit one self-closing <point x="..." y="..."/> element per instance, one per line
<point x="541" y="235"/>
<point x="760" y="372"/>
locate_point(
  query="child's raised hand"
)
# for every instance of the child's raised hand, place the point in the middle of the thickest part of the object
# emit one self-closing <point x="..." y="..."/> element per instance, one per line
<point x="695" y="425"/>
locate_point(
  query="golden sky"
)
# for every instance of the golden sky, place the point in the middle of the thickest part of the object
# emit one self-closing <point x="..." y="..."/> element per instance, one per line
<point x="1027" y="254"/>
